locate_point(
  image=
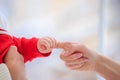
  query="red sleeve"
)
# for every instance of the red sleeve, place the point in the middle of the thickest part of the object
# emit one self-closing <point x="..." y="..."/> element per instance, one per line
<point x="28" y="48"/>
<point x="5" y="43"/>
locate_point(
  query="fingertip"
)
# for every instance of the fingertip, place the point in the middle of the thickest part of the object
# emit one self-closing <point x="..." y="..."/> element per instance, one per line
<point x="59" y="44"/>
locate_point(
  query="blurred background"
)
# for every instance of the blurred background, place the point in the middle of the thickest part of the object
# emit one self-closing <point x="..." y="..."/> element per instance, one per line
<point x="93" y="22"/>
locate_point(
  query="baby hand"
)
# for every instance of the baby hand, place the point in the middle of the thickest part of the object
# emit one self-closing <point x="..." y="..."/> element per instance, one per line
<point x="46" y="44"/>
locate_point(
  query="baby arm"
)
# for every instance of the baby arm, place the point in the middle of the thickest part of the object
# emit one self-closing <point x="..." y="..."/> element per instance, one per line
<point x="11" y="57"/>
<point x="35" y="47"/>
<point x="27" y="47"/>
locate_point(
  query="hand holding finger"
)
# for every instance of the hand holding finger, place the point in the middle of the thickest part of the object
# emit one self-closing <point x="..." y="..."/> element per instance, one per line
<point x="46" y="44"/>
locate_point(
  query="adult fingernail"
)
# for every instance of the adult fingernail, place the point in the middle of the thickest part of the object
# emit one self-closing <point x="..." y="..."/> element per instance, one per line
<point x="79" y="55"/>
<point x="85" y="60"/>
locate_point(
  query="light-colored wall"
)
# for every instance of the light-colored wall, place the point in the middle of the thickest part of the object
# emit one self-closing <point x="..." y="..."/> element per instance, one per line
<point x="73" y="20"/>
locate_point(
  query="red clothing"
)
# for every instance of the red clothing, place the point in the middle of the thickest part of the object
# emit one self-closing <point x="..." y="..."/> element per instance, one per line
<point x="5" y="42"/>
<point x="26" y="47"/>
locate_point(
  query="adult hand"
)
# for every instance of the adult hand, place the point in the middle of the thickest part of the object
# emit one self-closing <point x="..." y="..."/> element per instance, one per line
<point x="79" y="57"/>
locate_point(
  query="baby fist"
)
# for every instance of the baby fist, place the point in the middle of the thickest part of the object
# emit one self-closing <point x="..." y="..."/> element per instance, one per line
<point x="46" y="44"/>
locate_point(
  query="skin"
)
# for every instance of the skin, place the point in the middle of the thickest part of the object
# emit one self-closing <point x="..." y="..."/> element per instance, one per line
<point x="15" y="64"/>
<point x="15" y="61"/>
<point x="46" y="44"/>
<point x="80" y="57"/>
<point x="76" y="56"/>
